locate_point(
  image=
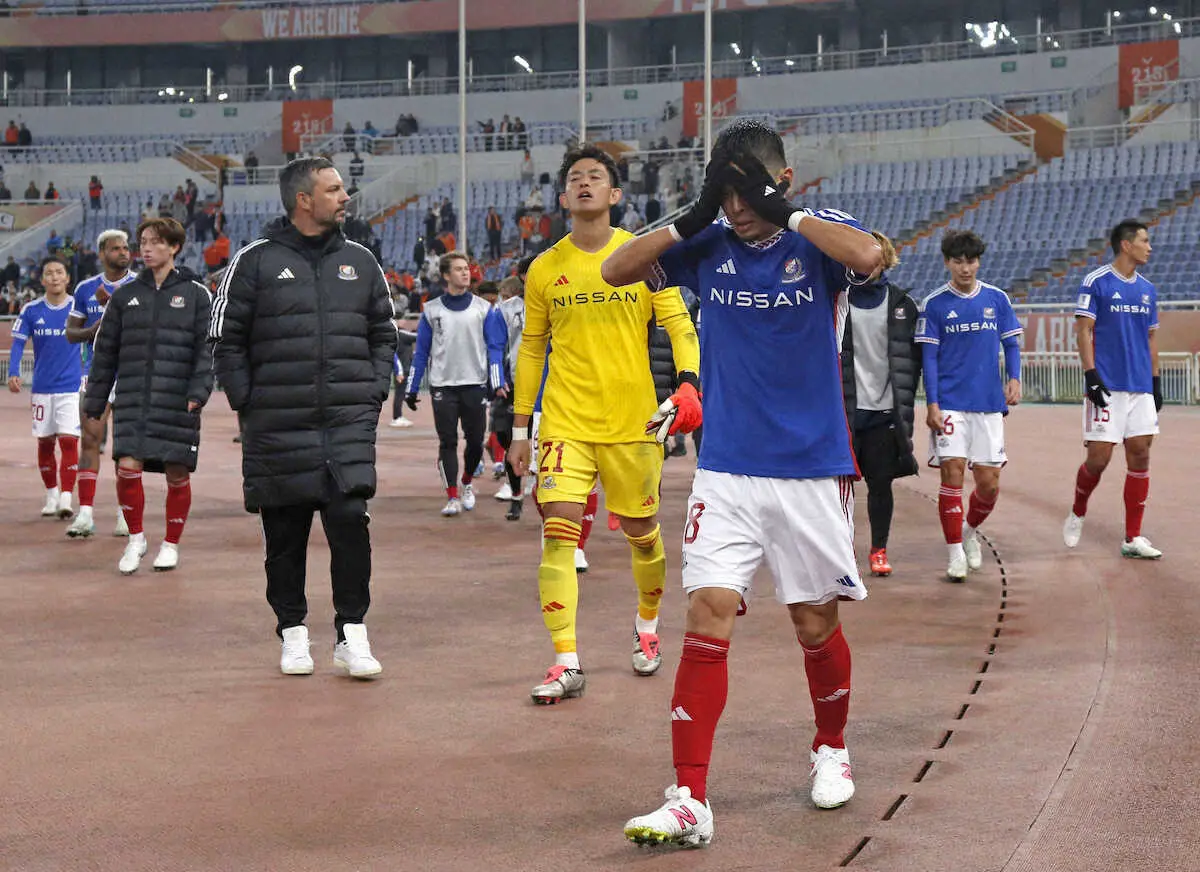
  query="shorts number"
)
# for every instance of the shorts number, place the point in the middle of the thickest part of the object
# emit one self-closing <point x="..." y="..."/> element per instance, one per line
<point x="547" y="448"/>
<point x="948" y="426"/>
<point x="39" y="413"/>
<point x="1099" y="416"/>
<point x="692" y="528"/>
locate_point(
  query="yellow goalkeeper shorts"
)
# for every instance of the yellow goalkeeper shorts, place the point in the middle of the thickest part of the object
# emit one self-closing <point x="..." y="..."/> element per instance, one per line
<point x="630" y="473"/>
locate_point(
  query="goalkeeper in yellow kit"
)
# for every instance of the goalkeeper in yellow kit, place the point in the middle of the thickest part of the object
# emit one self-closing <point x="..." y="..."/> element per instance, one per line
<point x="599" y="413"/>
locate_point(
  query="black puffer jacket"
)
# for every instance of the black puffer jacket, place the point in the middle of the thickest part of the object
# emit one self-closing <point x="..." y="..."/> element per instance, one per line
<point x="904" y="365"/>
<point x="662" y="358"/>
<point x="304" y="340"/>
<point x="156" y="339"/>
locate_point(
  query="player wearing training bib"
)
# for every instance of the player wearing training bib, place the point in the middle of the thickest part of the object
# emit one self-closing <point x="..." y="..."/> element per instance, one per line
<point x="773" y="482"/>
<point x="1116" y="317"/>
<point x="961" y="328"/>
<point x="57" y="372"/>
<point x="598" y="397"/>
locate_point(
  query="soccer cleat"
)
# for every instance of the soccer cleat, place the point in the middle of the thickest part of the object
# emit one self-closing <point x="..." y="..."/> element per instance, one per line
<point x="83" y="526"/>
<point x="1072" y="530"/>
<point x="65" y="510"/>
<point x="50" y="510"/>
<point x="468" y="497"/>
<point x="581" y="561"/>
<point x="168" y="557"/>
<point x="505" y="492"/>
<point x="400" y="424"/>
<point x="498" y="470"/>
<point x="832" y="783"/>
<point x="957" y="570"/>
<point x="646" y="654"/>
<point x="560" y="683"/>
<point x="514" y="510"/>
<point x="135" y="550"/>
<point x="971" y="548"/>
<point x="1140" y="547"/>
<point x="294" y="657"/>
<point x="122" y="528"/>
<point x="681" y="820"/>
<point x="354" y="653"/>
<point x="879" y="563"/>
<point x="453" y="507"/>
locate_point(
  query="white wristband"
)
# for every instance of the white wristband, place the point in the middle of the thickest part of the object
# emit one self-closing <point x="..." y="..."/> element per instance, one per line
<point x="674" y="233"/>
<point x="795" y="219"/>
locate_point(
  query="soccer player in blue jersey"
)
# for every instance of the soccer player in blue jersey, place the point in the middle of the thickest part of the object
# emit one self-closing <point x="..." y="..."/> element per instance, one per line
<point x="1116" y="317"/>
<point x="962" y="327"/>
<point x="773" y="483"/>
<point x="91" y="295"/>
<point x="56" y="376"/>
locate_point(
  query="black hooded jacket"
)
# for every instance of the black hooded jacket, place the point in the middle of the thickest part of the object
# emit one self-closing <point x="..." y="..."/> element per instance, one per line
<point x="304" y="339"/>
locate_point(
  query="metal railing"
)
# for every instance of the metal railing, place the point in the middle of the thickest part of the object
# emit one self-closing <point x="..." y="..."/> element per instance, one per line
<point x="1057" y="377"/>
<point x="1119" y="134"/>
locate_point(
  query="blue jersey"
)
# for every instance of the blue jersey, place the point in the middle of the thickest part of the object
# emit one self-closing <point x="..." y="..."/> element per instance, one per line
<point x="90" y="309"/>
<point x="966" y="330"/>
<point x="1125" y="311"/>
<point x="56" y="365"/>
<point x="772" y="315"/>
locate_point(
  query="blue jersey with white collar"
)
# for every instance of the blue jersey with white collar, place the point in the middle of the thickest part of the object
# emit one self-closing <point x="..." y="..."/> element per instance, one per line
<point x="1125" y="311"/>
<point x="90" y="309"/>
<point x="56" y="365"/>
<point x="772" y="315"/>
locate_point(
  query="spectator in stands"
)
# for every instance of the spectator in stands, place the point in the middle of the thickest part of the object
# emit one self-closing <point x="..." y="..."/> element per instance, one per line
<point x="10" y="276"/>
<point x="406" y="125"/>
<point x="95" y="192"/>
<point x="179" y="205"/>
<point x="348" y="137"/>
<point x="11" y="134"/>
<point x="251" y="163"/>
<point x="418" y="252"/>
<point x="369" y="130"/>
<point x="5" y="193"/>
<point x="55" y="242"/>
<point x="216" y="256"/>
<point x="527" y="169"/>
<point x="51" y="192"/>
<point x="631" y="219"/>
<point x="650" y="178"/>
<point x="32" y="192"/>
<point x="202" y="227"/>
<point x="526" y="226"/>
<point x="87" y="263"/>
<point x="356" y="168"/>
<point x="494" y="225"/>
<point x="534" y="201"/>
<point x="558" y="225"/>
<point x="431" y="222"/>
<point x="448" y="219"/>
<point x="164" y="206"/>
<point x="24" y="137"/>
<point x="488" y="129"/>
<point x="653" y="209"/>
<point x="192" y="193"/>
<point x="521" y="137"/>
<point x="149" y="211"/>
<point x="504" y="132"/>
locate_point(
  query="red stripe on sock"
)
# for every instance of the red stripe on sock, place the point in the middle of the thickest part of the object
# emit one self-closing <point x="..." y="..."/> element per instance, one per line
<point x="132" y="498"/>
<point x="701" y="687"/>
<point x="87" y="487"/>
<point x="979" y="510"/>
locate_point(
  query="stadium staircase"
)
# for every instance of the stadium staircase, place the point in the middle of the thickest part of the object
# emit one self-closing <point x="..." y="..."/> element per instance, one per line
<point x="954" y="211"/>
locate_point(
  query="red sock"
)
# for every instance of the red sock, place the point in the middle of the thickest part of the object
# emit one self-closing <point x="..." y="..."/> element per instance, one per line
<point x="70" y="462"/>
<point x="701" y="686"/>
<point x="452" y="493"/>
<point x="87" y="487"/>
<point x="1085" y="483"/>
<point x="828" y="669"/>
<point x="46" y="462"/>
<point x="950" y="508"/>
<point x="495" y="449"/>
<point x="979" y="510"/>
<point x="179" y="501"/>
<point x="1137" y="489"/>
<point x="132" y="498"/>
<point x="589" y="517"/>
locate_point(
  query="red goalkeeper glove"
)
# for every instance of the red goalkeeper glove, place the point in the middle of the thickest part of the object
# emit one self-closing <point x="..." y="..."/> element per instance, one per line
<point x="680" y="413"/>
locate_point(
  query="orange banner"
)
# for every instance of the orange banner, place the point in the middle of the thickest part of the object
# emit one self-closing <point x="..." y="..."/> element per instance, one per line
<point x="1055" y="331"/>
<point x="17" y="217"/>
<point x="1146" y="63"/>
<point x="305" y="118"/>
<point x="724" y="96"/>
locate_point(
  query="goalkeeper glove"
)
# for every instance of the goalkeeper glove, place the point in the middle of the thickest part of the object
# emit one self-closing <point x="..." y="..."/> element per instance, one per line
<point x="1158" y="397"/>
<point x="704" y="211"/>
<point x="1096" y="389"/>
<point x="758" y="188"/>
<point x="680" y="413"/>
<point x="410" y="400"/>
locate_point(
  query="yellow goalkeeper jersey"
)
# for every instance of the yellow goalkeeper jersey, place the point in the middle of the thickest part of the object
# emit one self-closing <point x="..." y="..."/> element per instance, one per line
<point x="599" y="388"/>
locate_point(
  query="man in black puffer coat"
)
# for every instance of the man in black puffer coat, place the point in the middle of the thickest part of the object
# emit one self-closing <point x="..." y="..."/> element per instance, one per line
<point x="304" y="340"/>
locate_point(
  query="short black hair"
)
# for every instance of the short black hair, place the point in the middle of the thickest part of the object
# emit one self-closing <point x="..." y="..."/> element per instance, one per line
<point x="46" y="261"/>
<point x="297" y="178"/>
<point x="753" y="137"/>
<point x="525" y="263"/>
<point x="584" y="152"/>
<point x="1126" y="231"/>
<point x="962" y="243"/>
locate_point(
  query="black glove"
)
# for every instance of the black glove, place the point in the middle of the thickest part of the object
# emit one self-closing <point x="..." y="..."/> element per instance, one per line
<point x="765" y="196"/>
<point x="1158" y="398"/>
<point x="410" y="400"/>
<point x="1096" y="389"/>
<point x="707" y="206"/>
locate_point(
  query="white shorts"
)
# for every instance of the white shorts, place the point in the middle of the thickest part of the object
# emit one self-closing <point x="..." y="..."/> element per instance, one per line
<point x="977" y="437"/>
<point x="1126" y="416"/>
<point x="55" y="414"/>
<point x="803" y="529"/>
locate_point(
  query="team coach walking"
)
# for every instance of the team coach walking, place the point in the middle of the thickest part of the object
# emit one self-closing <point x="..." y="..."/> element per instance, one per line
<point x="303" y="334"/>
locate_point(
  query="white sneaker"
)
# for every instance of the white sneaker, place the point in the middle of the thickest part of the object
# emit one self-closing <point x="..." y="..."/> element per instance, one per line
<point x="354" y="654"/>
<point x="121" y="528"/>
<point x="453" y="507"/>
<point x="134" y="552"/>
<point x="83" y="526"/>
<point x="681" y="820"/>
<point x="1140" y="547"/>
<point x="294" y="658"/>
<point x="530" y="483"/>
<point x="51" y="508"/>
<point x="168" y="557"/>
<point x="468" y="497"/>
<point x="832" y="784"/>
<point x="505" y="493"/>
<point x="957" y="570"/>
<point x="65" y="507"/>
<point x="1072" y="530"/>
<point x="971" y="548"/>
<point x="581" y="561"/>
<point x="399" y="423"/>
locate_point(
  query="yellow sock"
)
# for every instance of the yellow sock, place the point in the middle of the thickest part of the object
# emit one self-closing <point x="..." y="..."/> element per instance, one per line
<point x="558" y="583"/>
<point x="649" y="571"/>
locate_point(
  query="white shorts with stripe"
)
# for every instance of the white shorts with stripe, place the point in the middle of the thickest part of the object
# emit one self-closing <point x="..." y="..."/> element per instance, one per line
<point x="802" y="529"/>
<point x="1127" y="415"/>
<point x="977" y="437"/>
<point x="55" y="414"/>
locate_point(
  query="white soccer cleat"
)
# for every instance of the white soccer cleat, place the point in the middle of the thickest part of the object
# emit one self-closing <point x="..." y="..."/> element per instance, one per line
<point x="957" y="570"/>
<point x="647" y="657"/>
<point x="168" y="557"/>
<point x="65" y="506"/>
<point x="1072" y="530"/>
<point x="468" y="497"/>
<point x="971" y="549"/>
<point x="400" y="423"/>
<point x="581" y="561"/>
<point x="561" y="682"/>
<point x="134" y="552"/>
<point x="505" y="493"/>
<point x="832" y="783"/>
<point x="1140" y="547"/>
<point x="294" y="656"/>
<point x="681" y="820"/>
<point x="50" y="509"/>
<point x="453" y="507"/>
<point x="354" y="653"/>
<point x="83" y="526"/>
<point x="121" y="528"/>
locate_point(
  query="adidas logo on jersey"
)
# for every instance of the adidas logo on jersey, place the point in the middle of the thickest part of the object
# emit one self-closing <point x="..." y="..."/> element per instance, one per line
<point x="952" y="314"/>
<point x="562" y="280"/>
<point x="286" y="274"/>
<point x="41" y="321"/>
<point x="680" y="714"/>
<point x="1116" y="295"/>
<point x="727" y="268"/>
<point x="134" y="302"/>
